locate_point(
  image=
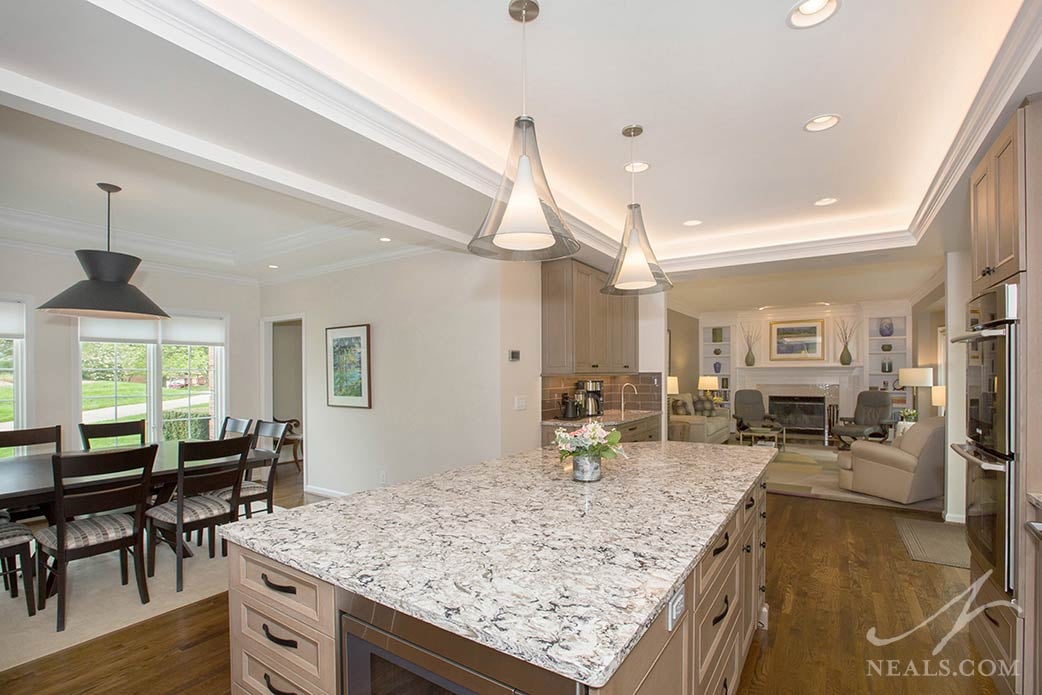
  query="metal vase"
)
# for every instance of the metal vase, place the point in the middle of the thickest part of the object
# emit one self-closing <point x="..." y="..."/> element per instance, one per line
<point x="586" y="469"/>
<point x="845" y="358"/>
<point x="750" y="358"/>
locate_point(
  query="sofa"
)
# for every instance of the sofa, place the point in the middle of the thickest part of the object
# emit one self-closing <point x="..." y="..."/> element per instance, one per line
<point x="909" y="470"/>
<point x="694" y="419"/>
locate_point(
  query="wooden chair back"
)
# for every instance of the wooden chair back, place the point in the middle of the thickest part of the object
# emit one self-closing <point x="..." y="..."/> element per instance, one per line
<point x="33" y="437"/>
<point x="193" y="481"/>
<point x="77" y="491"/>
<point x="234" y="425"/>
<point x="112" y="429"/>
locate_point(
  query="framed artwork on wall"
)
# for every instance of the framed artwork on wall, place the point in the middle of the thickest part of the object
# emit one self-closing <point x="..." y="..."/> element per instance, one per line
<point x="797" y="340"/>
<point x="348" y="369"/>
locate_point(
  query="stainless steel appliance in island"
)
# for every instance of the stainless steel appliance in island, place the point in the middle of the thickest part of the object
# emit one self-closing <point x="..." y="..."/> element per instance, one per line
<point x="991" y="416"/>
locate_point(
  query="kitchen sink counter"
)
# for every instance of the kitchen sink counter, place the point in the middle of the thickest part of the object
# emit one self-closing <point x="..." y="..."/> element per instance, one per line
<point x="514" y="555"/>
<point x="609" y="418"/>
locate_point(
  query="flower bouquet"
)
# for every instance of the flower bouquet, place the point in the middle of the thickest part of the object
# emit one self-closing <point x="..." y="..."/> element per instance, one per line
<point x="910" y="415"/>
<point x="587" y="446"/>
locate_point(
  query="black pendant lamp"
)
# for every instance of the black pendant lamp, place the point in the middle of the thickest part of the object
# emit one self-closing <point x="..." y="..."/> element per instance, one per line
<point x="107" y="292"/>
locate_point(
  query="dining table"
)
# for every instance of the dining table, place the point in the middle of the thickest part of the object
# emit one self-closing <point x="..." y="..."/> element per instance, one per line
<point x="28" y="481"/>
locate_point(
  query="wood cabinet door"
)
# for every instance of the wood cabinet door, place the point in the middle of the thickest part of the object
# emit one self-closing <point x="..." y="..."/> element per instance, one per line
<point x="598" y="324"/>
<point x="672" y="670"/>
<point x="614" y="330"/>
<point x="583" y="316"/>
<point x="1004" y="242"/>
<point x="981" y="223"/>
<point x="630" y="339"/>
<point x="558" y="318"/>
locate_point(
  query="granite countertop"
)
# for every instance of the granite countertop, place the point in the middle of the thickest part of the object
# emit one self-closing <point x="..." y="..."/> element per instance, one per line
<point x="514" y="555"/>
<point x="608" y="417"/>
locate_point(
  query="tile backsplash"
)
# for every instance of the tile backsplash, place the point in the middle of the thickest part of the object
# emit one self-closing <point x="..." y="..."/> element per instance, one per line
<point x="648" y="397"/>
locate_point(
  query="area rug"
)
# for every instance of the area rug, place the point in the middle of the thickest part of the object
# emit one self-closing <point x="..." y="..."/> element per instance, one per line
<point x="935" y="541"/>
<point x="807" y="471"/>
<point x="97" y="604"/>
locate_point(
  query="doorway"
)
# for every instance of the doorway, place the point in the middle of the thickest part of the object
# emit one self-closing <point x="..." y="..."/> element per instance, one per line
<point x="283" y="380"/>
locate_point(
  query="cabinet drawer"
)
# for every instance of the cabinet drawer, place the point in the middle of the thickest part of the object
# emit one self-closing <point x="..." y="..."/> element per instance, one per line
<point x="999" y="621"/>
<point x="715" y="615"/>
<point x="723" y="679"/>
<point x="749" y="509"/>
<point x="294" y="593"/>
<point x="721" y="552"/>
<point x="254" y="674"/>
<point x="303" y="649"/>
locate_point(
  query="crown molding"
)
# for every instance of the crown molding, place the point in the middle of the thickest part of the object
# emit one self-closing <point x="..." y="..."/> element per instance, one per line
<point x="1012" y="61"/>
<point x="305" y="239"/>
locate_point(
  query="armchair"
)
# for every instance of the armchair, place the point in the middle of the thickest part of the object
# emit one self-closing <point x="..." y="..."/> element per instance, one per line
<point x="750" y="412"/>
<point x="873" y="417"/>
<point x="910" y="471"/>
<point x="700" y="421"/>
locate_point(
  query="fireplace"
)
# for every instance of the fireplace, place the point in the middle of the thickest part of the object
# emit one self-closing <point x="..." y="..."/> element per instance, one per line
<point x="799" y="413"/>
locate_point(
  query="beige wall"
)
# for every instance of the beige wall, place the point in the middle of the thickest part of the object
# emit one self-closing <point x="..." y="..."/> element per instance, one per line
<point x="53" y="370"/>
<point x="287" y="371"/>
<point x="686" y="342"/>
<point x="442" y="387"/>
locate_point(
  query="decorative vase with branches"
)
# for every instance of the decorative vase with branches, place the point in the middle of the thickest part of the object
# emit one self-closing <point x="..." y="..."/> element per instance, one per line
<point x="751" y="334"/>
<point x="847" y="330"/>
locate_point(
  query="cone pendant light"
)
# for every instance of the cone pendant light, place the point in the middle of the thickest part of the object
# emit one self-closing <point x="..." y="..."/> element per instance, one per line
<point x="107" y="292"/>
<point x="524" y="223"/>
<point x="636" y="270"/>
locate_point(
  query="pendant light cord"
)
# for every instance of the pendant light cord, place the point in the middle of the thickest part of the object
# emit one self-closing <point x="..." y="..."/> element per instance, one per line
<point x="524" y="63"/>
<point x="633" y="175"/>
<point x="108" y="221"/>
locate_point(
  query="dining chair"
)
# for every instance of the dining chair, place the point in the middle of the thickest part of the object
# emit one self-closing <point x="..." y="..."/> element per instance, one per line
<point x="268" y="437"/>
<point x="14" y="551"/>
<point x="234" y="425"/>
<point x="134" y="428"/>
<point x="295" y="438"/>
<point x="38" y="436"/>
<point x="191" y="510"/>
<point x="91" y="516"/>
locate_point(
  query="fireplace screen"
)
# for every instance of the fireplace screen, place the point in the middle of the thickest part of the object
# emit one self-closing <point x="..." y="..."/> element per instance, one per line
<point x="799" y="413"/>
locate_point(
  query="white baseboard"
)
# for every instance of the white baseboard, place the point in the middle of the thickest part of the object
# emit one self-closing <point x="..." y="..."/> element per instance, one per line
<point x="955" y="518"/>
<point x="323" y="492"/>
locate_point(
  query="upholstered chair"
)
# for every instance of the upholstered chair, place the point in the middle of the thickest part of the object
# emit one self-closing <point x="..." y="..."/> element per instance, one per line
<point x="749" y="410"/>
<point x="910" y="470"/>
<point x="873" y="416"/>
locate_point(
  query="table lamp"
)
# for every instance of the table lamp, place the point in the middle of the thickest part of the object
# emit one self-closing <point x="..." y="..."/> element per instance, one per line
<point x="939" y="397"/>
<point x="672" y="385"/>
<point x="915" y="377"/>
<point x="707" y="384"/>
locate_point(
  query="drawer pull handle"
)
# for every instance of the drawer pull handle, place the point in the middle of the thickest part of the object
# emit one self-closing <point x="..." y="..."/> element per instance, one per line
<point x="633" y="429"/>
<point x="272" y="689"/>
<point x="282" y="588"/>
<point x="281" y="641"/>
<point x="747" y="549"/>
<point x="763" y="544"/>
<point x="722" y="548"/>
<point x="725" y="686"/>
<point x="763" y="515"/>
<point x="727" y="607"/>
<point x="763" y="485"/>
<point x="750" y="504"/>
<point x="763" y="589"/>
<point x="992" y="620"/>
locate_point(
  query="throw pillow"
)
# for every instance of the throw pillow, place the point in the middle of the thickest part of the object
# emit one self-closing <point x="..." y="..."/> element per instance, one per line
<point x="679" y="407"/>
<point x="704" y="406"/>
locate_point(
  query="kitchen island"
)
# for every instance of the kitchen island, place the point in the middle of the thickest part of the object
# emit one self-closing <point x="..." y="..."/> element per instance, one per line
<point x="512" y="578"/>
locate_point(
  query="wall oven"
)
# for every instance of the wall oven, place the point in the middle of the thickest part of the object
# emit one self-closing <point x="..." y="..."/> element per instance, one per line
<point x="990" y="450"/>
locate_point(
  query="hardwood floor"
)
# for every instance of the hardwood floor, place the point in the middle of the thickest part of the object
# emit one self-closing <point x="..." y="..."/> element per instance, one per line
<point x="834" y="570"/>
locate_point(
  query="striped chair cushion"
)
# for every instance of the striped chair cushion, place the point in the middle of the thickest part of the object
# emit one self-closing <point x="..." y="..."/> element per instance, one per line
<point x="94" y="530"/>
<point x="249" y="489"/>
<point x="196" y="508"/>
<point x="14" y="534"/>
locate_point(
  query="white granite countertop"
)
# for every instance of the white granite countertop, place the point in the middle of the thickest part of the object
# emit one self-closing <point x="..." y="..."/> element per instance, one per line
<point x="608" y="417"/>
<point x="516" y="556"/>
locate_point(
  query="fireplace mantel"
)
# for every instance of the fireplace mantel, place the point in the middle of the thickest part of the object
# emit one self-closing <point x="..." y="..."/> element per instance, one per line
<point x="840" y="382"/>
<point x="819" y="366"/>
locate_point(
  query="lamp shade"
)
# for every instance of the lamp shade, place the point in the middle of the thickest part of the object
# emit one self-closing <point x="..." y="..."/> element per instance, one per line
<point x="708" y="383"/>
<point x="915" y="376"/>
<point x="524" y="223"/>
<point x="939" y="396"/>
<point x="672" y="385"/>
<point x="636" y="270"/>
<point x="107" y="292"/>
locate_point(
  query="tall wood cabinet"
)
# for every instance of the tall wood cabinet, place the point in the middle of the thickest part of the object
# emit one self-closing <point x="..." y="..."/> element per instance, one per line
<point x="585" y="331"/>
<point x="996" y="202"/>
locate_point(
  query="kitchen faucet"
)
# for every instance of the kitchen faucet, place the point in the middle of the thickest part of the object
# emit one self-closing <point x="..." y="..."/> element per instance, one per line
<point x="635" y="392"/>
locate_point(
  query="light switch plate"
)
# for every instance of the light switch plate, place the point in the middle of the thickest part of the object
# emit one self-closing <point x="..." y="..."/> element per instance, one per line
<point x="520" y="403"/>
<point x="676" y="609"/>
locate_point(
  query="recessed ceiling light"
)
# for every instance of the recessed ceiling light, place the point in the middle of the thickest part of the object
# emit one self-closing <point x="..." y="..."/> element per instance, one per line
<point x="822" y="202"/>
<point x="822" y="122"/>
<point x="692" y="223"/>
<point x="809" y="13"/>
<point x="385" y="239"/>
<point x="637" y="167"/>
<point x="273" y="266"/>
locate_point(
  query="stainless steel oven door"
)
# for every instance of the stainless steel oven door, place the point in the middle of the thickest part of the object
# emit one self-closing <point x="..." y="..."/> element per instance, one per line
<point x="990" y="389"/>
<point x="989" y="515"/>
<point x="379" y="663"/>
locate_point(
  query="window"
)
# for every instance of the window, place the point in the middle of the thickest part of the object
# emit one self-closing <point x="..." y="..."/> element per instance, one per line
<point x="12" y="381"/>
<point x="167" y="373"/>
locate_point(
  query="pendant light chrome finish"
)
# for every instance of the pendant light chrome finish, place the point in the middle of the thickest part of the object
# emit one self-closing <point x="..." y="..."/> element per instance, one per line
<point x="636" y="269"/>
<point x="524" y="222"/>
<point x="107" y="292"/>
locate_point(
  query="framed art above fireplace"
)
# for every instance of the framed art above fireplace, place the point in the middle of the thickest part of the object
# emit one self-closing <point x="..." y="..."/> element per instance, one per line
<point x="797" y="340"/>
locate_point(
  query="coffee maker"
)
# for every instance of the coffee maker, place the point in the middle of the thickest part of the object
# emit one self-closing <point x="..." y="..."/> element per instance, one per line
<point x="593" y="396"/>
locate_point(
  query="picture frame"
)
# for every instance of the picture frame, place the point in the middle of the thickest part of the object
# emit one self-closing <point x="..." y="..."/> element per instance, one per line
<point x="797" y="341"/>
<point x="348" y="366"/>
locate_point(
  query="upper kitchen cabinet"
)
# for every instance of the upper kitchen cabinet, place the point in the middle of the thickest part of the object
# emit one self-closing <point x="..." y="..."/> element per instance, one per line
<point x="997" y="198"/>
<point x="585" y="331"/>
